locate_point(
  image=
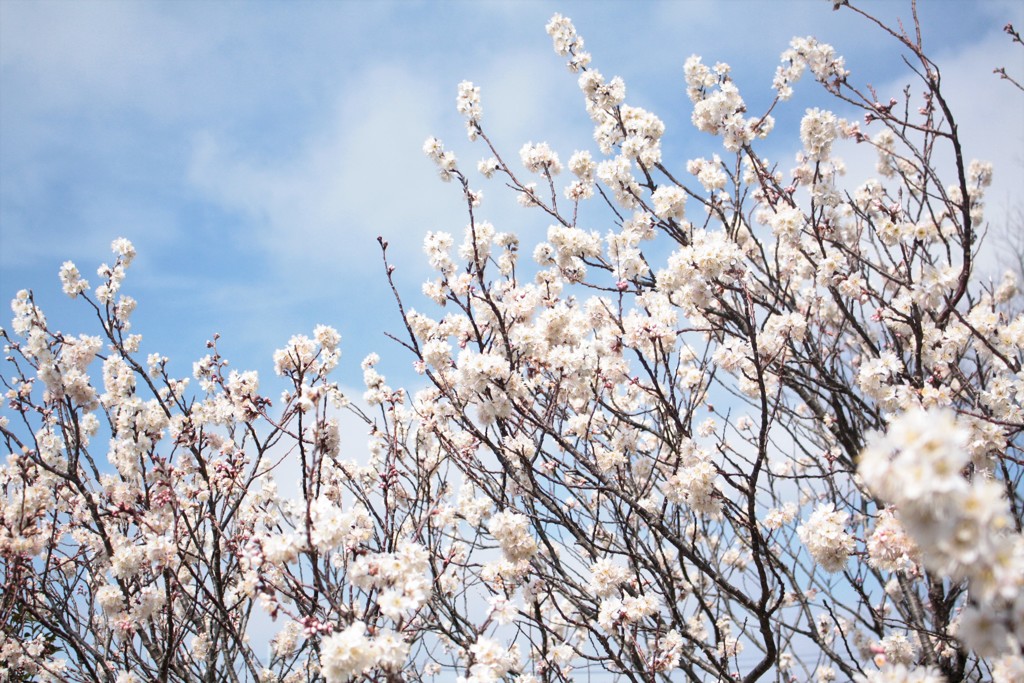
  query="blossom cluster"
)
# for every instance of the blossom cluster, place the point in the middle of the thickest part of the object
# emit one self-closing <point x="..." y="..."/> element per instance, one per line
<point x="955" y="511"/>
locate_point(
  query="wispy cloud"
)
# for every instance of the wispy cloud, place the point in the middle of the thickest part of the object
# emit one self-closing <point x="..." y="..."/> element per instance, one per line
<point x="341" y="185"/>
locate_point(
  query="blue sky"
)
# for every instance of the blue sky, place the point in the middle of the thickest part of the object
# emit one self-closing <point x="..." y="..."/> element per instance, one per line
<point x="253" y="151"/>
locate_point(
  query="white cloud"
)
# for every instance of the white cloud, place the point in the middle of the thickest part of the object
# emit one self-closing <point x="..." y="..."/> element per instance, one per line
<point x="343" y="185"/>
<point x="988" y="113"/>
<point x="88" y="56"/>
<point x="363" y="174"/>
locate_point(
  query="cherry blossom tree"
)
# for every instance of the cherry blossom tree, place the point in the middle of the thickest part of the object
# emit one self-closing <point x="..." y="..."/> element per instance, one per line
<point x="741" y="422"/>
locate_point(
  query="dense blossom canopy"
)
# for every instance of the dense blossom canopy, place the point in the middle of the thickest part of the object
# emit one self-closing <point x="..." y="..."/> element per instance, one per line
<point x="747" y="423"/>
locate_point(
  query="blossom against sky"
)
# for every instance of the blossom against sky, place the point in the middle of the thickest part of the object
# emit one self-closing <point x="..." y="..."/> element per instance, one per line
<point x="253" y="152"/>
